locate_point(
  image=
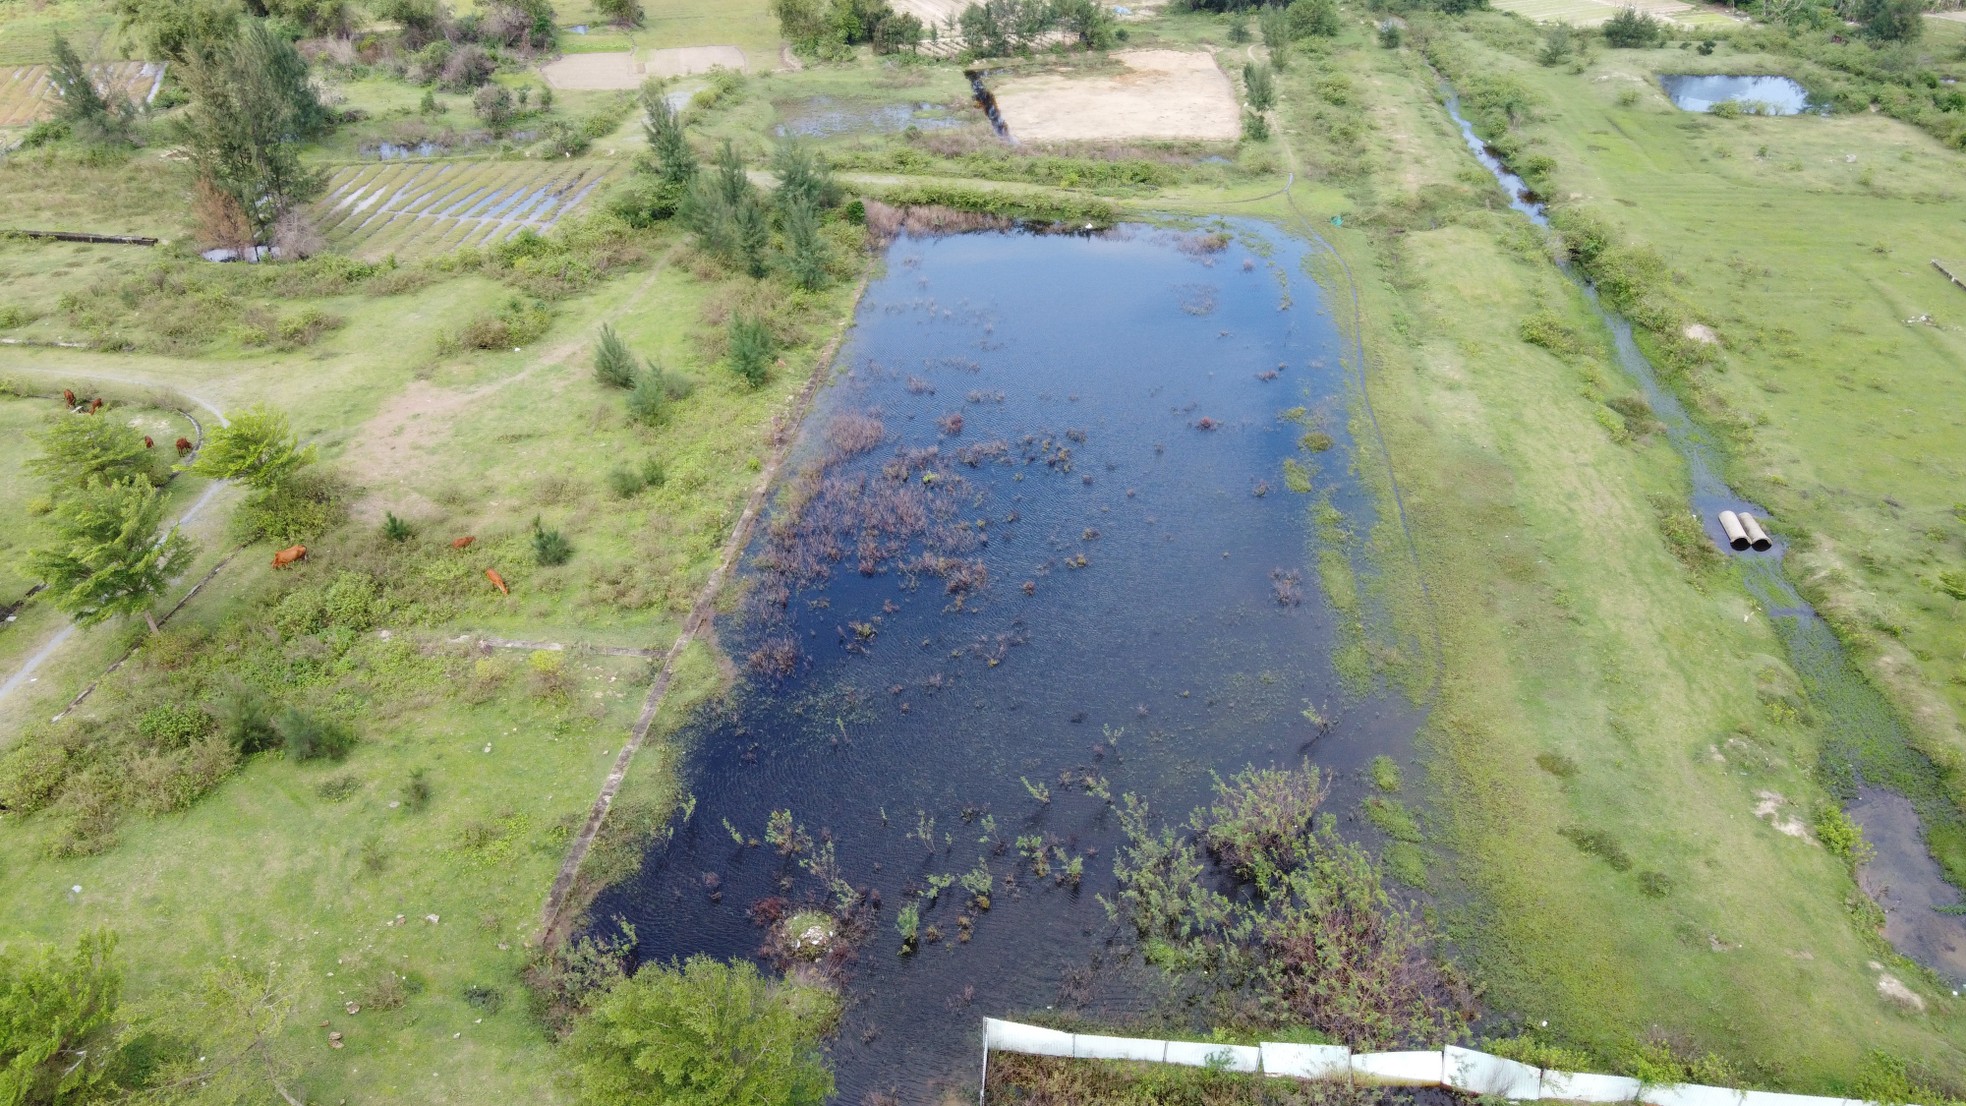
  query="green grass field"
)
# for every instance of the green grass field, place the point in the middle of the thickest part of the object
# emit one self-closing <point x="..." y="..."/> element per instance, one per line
<point x="1575" y="637"/>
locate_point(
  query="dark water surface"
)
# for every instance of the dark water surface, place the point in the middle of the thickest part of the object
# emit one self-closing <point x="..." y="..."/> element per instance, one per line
<point x="1867" y="757"/>
<point x="1763" y="95"/>
<point x="1161" y="368"/>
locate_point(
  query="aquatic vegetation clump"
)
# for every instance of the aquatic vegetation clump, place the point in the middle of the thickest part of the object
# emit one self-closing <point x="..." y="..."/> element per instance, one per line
<point x="1291" y="922"/>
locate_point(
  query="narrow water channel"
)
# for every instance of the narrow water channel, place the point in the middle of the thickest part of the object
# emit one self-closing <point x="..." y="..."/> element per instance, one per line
<point x="1050" y="541"/>
<point x="1867" y="763"/>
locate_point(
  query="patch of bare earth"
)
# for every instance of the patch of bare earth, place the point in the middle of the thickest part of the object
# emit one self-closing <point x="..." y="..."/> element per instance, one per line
<point x="681" y="61"/>
<point x="594" y="72"/>
<point x="1894" y="989"/>
<point x="1771" y="807"/>
<point x="1171" y="94"/>
<point x="1702" y="333"/>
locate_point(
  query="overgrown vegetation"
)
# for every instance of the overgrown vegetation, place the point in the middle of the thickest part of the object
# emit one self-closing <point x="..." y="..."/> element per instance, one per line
<point x="1301" y="933"/>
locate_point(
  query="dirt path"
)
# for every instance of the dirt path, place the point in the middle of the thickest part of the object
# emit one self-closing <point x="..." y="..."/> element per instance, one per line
<point x="698" y="624"/>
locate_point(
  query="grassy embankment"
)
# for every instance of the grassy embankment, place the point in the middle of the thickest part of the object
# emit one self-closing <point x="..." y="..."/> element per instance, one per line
<point x="1608" y="715"/>
<point x="306" y="864"/>
<point x="1805" y="245"/>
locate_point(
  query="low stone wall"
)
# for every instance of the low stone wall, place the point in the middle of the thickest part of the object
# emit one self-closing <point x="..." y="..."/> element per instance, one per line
<point x="1455" y="1068"/>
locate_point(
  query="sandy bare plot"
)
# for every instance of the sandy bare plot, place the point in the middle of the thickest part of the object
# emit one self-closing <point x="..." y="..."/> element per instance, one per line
<point x="936" y="13"/>
<point x="684" y="60"/>
<point x="1163" y="94"/>
<point x="594" y="71"/>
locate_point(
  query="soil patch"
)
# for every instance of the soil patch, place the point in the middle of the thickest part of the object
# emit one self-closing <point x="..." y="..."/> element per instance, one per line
<point x="681" y="61"/>
<point x="1162" y="94"/>
<point x="602" y="72"/>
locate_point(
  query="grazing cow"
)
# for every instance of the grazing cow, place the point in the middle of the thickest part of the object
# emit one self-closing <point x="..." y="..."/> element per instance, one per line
<point x="460" y="543"/>
<point x="497" y="580"/>
<point x="95" y="405"/>
<point x="68" y="394"/>
<point x="183" y="446"/>
<point x="147" y="443"/>
<point x="289" y="555"/>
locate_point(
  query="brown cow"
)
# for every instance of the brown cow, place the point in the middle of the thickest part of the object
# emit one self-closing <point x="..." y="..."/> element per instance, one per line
<point x="147" y="443"/>
<point x="460" y="543"/>
<point x="492" y="575"/>
<point x="68" y="394"/>
<point x="289" y="555"/>
<point x="95" y="405"/>
<point x="183" y="446"/>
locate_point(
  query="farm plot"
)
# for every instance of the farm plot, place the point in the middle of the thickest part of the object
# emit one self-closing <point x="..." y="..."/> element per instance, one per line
<point x="407" y="210"/>
<point x="1591" y="13"/>
<point x="26" y="91"/>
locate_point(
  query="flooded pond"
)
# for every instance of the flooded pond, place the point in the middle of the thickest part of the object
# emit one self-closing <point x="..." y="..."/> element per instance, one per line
<point x="827" y="116"/>
<point x="1761" y="95"/>
<point x="1043" y="550"/>
<point x="1867" y="760"/>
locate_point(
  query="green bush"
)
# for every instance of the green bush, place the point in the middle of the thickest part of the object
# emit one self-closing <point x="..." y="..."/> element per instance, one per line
<point x="311" y="737"/>
<point x="642" y="201"/>
<point x="549" y="547"/>
<point x="1841" y="835"/>
<point x="518" y="321"/>
<point x="301" y="508"/>
<point x="173" y="725"/>
<point x="704" y="1032"/>
<point x="395" y="529"/>
<point x="245" y="719"/>
<point x="1600" y="843"/>
<point x="1631" y="29"/>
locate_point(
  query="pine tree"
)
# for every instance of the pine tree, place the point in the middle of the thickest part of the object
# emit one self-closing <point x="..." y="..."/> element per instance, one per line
<point x="675" y="161"/>
<point x="78" y="101"/>
<point x="805" y="250"/>
<point x="251" y="106"/>
<point x="805" y="174"/>
<point x="614" y="366"/>
<point x="106" y="557"/>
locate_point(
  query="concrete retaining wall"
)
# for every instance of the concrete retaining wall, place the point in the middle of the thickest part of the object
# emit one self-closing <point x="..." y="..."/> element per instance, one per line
<point x="1460" y="1069"/>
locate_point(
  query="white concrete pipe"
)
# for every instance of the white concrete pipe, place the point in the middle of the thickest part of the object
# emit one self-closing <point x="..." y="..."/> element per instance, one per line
<point x="1757" y="537"/>
<point x="1737" y="535"/>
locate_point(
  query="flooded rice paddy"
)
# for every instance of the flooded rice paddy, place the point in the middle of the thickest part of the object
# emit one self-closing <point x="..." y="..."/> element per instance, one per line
<point x="1760" y="95"/>
<point x="1867" y="761"/>
<point x="830" y="117"/>
<point x="1043" y="549"/>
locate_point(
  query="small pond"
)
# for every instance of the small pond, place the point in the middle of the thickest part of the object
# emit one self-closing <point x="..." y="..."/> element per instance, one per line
<point x="1041" y="539"/>
<point x="828" y="116"/>
<point x="1759" y="95"/>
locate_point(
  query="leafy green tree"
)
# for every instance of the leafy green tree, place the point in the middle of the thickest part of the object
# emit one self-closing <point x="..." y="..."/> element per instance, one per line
<point x="703" y="1033"/>
<point x="1892" y="20"/>
<point x="105" y="556"/>
<point x="251" y="107"/>
<point x="57" y="1015"/>
<point x="256" y="448"/>
<point x="238" y="1015"/>
<point x="180" y="31"/>
<point x="623" y="13"/>
<point x="1314" y="18"/>
<point x="77" y="449"/>
<point x="1631" y="29"/>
